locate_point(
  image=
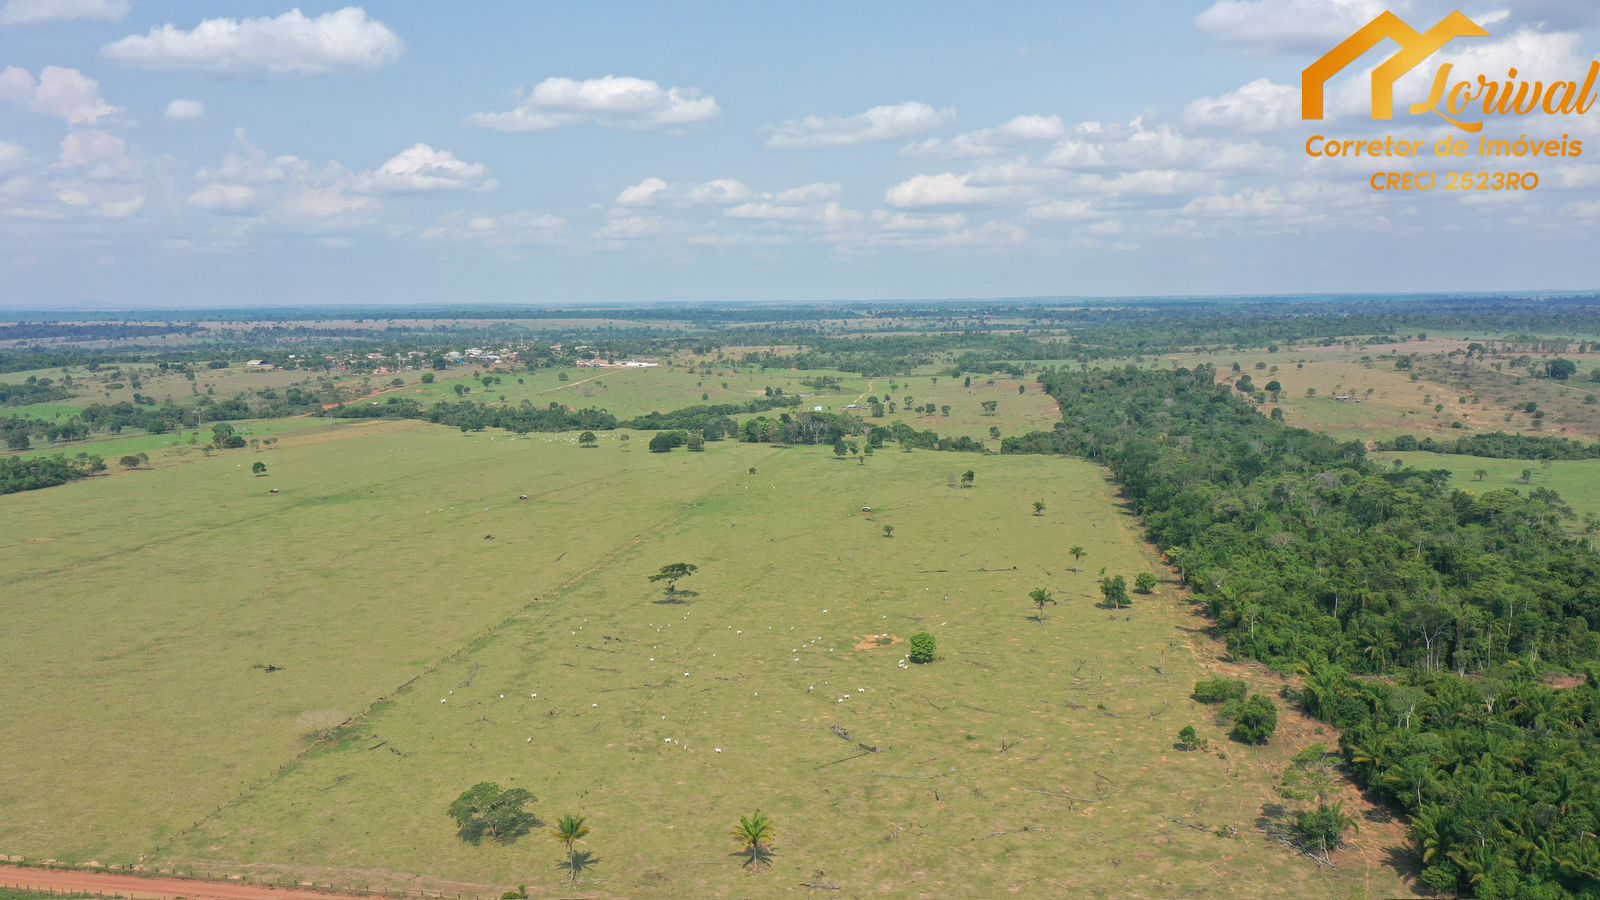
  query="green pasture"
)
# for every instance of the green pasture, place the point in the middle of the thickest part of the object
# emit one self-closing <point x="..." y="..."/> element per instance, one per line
<point x="429" y="630"/>
<point x="177" y="444"/>
<point x="1576" y="480"/>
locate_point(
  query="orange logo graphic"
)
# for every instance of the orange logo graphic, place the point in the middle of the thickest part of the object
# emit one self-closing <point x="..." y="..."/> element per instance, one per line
<point x="1414" y="48"/>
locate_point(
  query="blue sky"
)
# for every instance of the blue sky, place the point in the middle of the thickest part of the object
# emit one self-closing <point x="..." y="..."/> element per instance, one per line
<point x="218" y="153"/>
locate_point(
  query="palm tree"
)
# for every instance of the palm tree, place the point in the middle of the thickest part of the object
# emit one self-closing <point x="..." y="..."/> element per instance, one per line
<point x="1077" y="557"/>
<point x="1040" y="597"/>
<point x="569" y="830"/>
<point x="754" y="834"/>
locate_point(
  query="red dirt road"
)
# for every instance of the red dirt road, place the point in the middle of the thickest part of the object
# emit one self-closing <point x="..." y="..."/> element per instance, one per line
<point x="74" y="882"/>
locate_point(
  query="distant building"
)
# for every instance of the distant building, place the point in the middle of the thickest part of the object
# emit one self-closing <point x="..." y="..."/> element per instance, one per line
<point x="260" y="365"/>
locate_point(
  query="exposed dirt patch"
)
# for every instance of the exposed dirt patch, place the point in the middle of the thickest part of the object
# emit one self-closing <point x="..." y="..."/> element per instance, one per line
<point x="877" y="641"/>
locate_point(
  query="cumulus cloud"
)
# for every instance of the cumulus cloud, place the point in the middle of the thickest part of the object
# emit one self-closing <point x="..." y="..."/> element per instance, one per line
<point x="230" y="199"/>
<point x="342" y="41"/>
<point x="67" y="93"/>
<point x="1060" y="211"/>
<point x="96" y="154"/>
<point x="987" y="142"/>
<point x="514" y="229"/>
<point x="716" y="192"/>
<point x="1260" y="106"/>
<point x="946" y="189"/>
<point x="12" y="156"/>
<point x="613" y="101"/>
<point x="185" y="110"/>
<point x="34" y="12"/>
<point x="1287" y="26"/>
<point x="421" y="168"/>
<point x="880" y="123"/>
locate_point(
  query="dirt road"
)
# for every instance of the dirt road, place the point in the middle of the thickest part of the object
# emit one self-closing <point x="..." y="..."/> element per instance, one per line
<point x="72" y="882"/>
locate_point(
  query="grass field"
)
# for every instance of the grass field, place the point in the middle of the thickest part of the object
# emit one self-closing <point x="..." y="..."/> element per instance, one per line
<point x="177" y="444"/>
<point x="1576" y="480"/>
<point x="141" y="608"/>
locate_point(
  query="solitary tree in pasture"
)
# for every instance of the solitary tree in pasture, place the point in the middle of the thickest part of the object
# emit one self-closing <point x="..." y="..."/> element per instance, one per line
<point x="1041" y="598"/>
<point x="487" y="809"/>
<point x="258" y="468"/>
<point x="1480" y="474"/>
<point x="588" y="439"/>
<point x="569" y="830"/>
<point x="128" y="462"/>
<point x="754" y="834"/>
<point x="1115" y="591"/>
<point x="989" y="406"/>
<point x="1077" y="557"/>
<point x="968" y="477"/>
<point x="888" y="531"/>
<point x="673" y="573"/>
<point x="1038" y="507"/>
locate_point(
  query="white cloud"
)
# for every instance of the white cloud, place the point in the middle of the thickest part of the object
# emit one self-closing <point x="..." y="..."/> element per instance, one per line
<point x="421" y="168"/>
<point x="1148" y="182"/>
<point x="185" y="110"/>
<point x="67" y="93"/>
<point x="515" y="229"/>
<point x="815" y="192"/>
<point x="1060" y="211"/>
<point x="947" y="189"/>
<point x="1136" y="146"/>
<point x="225" y="198"/>
<point x="33" y="12"/>
<point x="716" y="192"/>
<point x="12" y="156"/>
<point x="1260" y="106"/>
<point x="613" y="101"/>
<point x="343" y="41"/>
<point x="880" y="123"/>
<point x="1288" y="26"/>
<point x="99" y="154"/>
<point x="990" y="141"/>
<point x="829" y="213"/>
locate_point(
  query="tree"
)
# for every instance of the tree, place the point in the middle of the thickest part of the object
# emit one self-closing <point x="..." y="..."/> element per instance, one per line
<point x="1115" y="591"/>
<point x="1077" y="557"/>
<point x="1255" y="720"/>
<point x="258" y="468"/>
<point x="427" y="378"/>
<point x="569" y="830"/>
<point x="1040" y="598"/>
<point x="754" y="834"/>
<point x="673" y="573"/>
<point x="1480" y="474"/>
<point x="1187" y="738"/>
<point x="695" y="443"/>
<point x="1323" y="828"/>
<point x="624" y="438"/>
<point x="923" y="647"/>
<point x="588" y="439"/>
<point x="968" y="477"/>
<point x="989" y="406"/>
<point x="132" y="462"/>
<point x="486" y="808"/>
<point x="1144" y="582"/>
<point x="1561" y="369"/>
<point x="1038" y="507"/>
<point x="888" y="531"/>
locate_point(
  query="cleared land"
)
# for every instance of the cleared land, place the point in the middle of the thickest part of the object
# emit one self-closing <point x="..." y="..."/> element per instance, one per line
<point x="417" y="655"/>
<point x="1576" y="480"/>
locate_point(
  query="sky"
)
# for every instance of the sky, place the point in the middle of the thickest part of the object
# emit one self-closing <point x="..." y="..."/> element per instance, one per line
<point x="167" y="154"/>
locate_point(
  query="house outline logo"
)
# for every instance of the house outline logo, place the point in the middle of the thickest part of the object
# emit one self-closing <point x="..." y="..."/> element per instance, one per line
<point x="1414" y="48"/>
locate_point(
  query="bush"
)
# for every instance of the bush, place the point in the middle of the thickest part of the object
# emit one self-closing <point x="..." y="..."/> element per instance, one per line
<point x="1219" y="690"/>
<point x="923" y="647"/>
<point x="1188" y="739"/>
<point x="1145" y="582"/>
<point x="664" y="441"/>
<point x="1255" y="720"/>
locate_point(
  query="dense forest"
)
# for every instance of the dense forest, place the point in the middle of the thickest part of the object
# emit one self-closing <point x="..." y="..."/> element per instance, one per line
<point x="1422" y="620"/>
<point x="45" y="471"/>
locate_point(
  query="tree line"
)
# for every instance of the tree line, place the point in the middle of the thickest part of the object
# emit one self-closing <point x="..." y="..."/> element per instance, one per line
<point x="1422" y="620"/>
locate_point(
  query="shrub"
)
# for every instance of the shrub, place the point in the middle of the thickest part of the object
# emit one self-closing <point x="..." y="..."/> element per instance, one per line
<point x="1255" y="720"/>
<point x="1145" y="582"/>
<point x="1187" y="738"/>
<point x="1219" y="690"/>
<point x="923" y="647"/>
